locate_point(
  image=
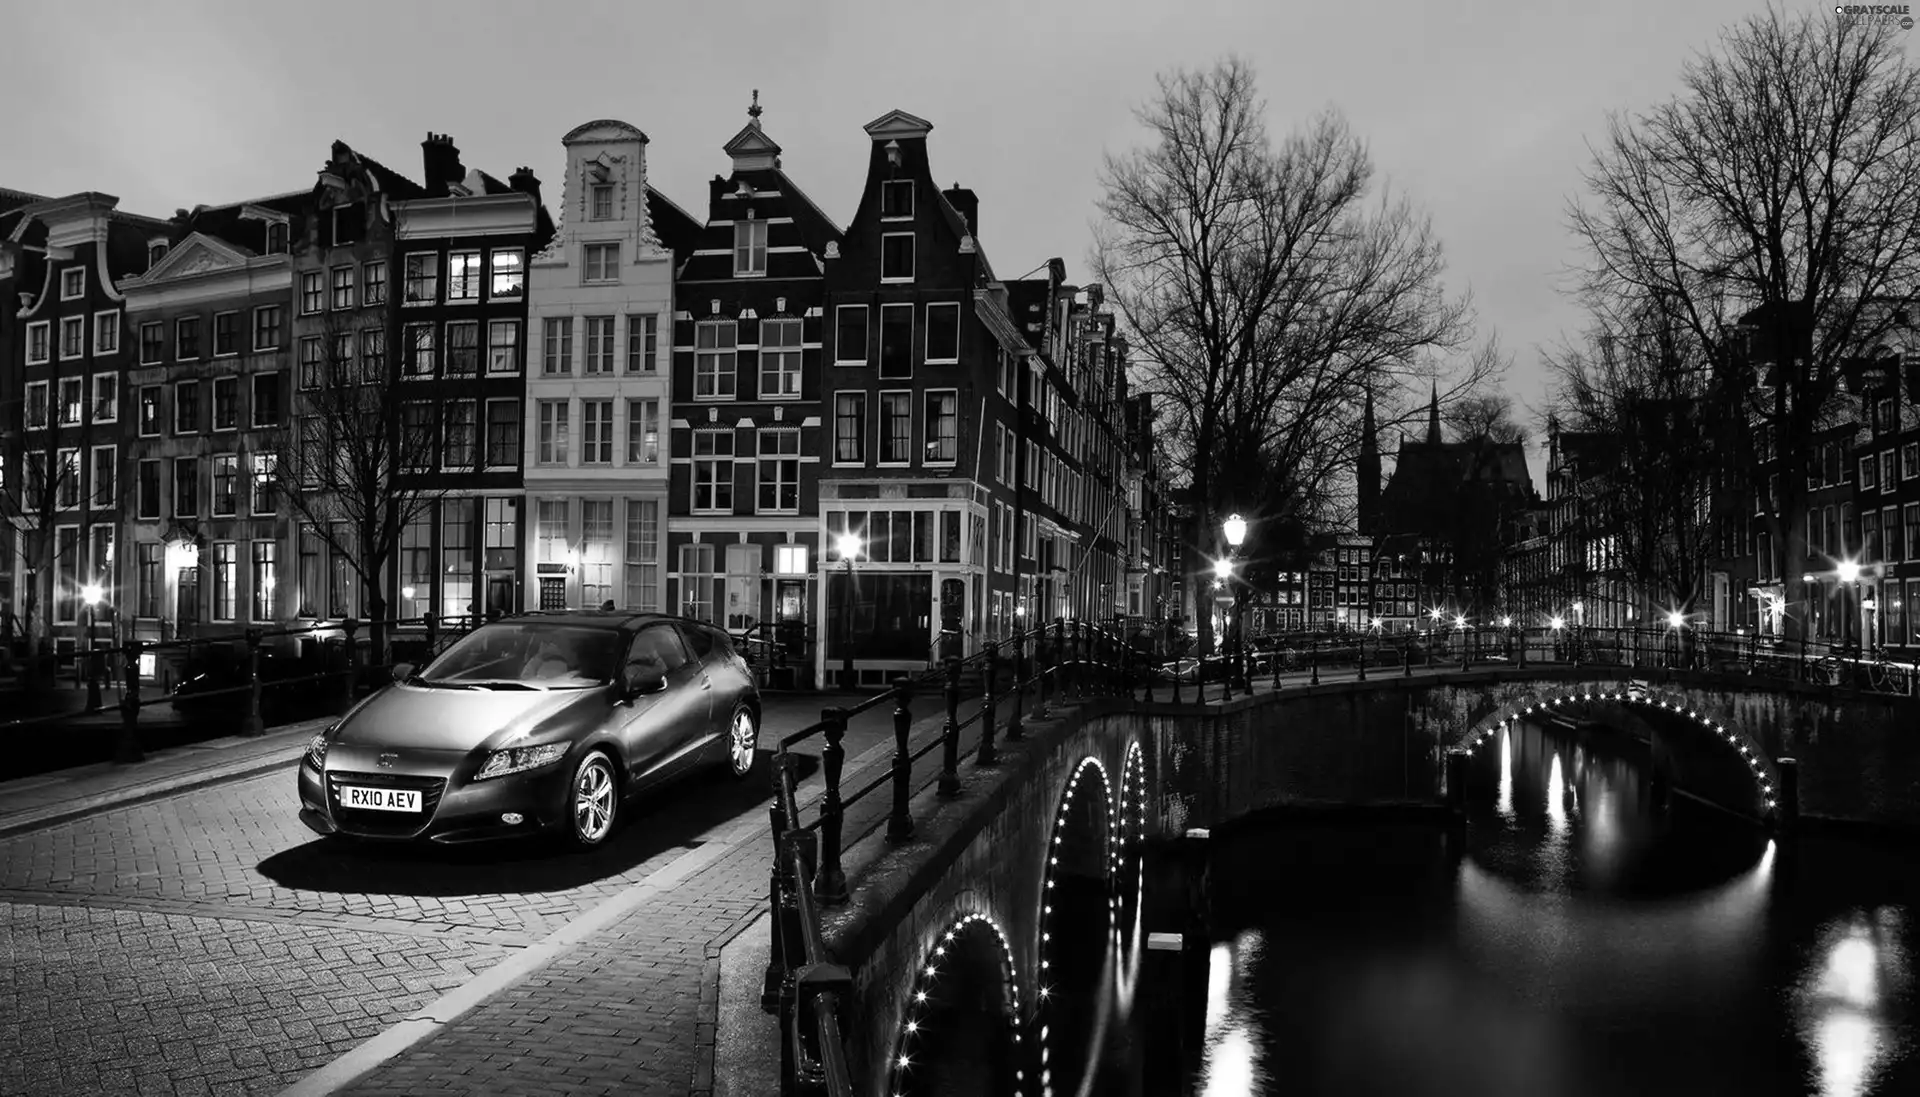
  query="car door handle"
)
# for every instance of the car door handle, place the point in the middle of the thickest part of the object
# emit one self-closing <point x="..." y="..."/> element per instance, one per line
<point x="706" y="682"/>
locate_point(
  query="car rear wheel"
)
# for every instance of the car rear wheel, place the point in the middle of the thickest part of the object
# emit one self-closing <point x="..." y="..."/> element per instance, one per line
<point x="743" y="742"/>
<point x="594" y="802"/>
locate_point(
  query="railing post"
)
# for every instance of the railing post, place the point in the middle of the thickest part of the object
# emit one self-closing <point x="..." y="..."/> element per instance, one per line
<point x="1466" y="650"/>
<point x="1015" y="732"/>
<point x="779" y="901"/>
<point x="899" y="823"/>
<point x="351" y="626"/>
<point x="127" y="745"/>
<point x="1523" y="648"/>
<point x="254" y="725"/>
<point x="96" y="670"/>
<point x="950" y="733"/>
<point x="1042" y="673"/>
<point x="1362" y="658"/>
<point x="988" y="755"/>
<point x="1062" y="662"/>
<point x="433" y="634"/>
<point x="1176" y="678"/>
<point x="1313" y="660"/>
<point x="1406" y="658"/>
<point x="830" y="883"/>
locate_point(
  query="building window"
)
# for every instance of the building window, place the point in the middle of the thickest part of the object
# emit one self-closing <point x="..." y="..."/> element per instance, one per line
<point x="343" y="586"/>
<point x="418" y="418"/>
<point x="186" y="407"/>
<point x="226" y="567"/>
<point x="849" y="428"/>
<point x="456" y="557"/>
<point x="599" y="358"/>
<point x="419" y="360"/>
<point x="553" y="433"/>
<point x="779" y="359"/>
<point x="313" y="292"/>
<point x="896" y="257"/>
<point x="779" y="472"/>
<point x="460" y="441"/>
<point x="850" y="335"/>
<point x="1889" y="472"/>
<point x="596" y="432"/>
<point x="503" y="346"/>
<point x="277" y="236"/>
<point x="713" y="472"/>
<point x="643" y="554"/>
<point x="72" y="398"/>
<point x="643" y="343"/>
<point x="1910" y="461"/>
<point x="596" y="552"/>
<point x="343" y="287"/>
<point x="896" y="199"/>
<point x="463" y="276"/>
<point x="943" y="333"/>
<point x="146" y="581"/>
<point x="1896" y="544"/>
<point x="550" y="533"/>
<point x="265" y="466"/>
<point x="66" y="588"/>
<point x="226" y="480"/>
<point x="509" y="274"/>
<point x="1869" y="473"/>
<point x="556" y="357"/>
<point x="643" y="432"/>
<point x="106" y="332"/>
<point x="714" y="359"/>
<point x="503" y="433"/>
<point x="416" y="563"/>
<point x="106" y="397"/>
<point x="1912" y="512"/>
<point x="186" y="487"/>
<point x="266" y="327"/>
<point x="263" y="578"/>
<point x="226" y="403"/>
<point x="73" y="283"/>
<point x="147" y="489"/>
<point x="310" y="358"/>
<point x="38" y="350"/>
<point x="340" y="358"/>
<point x="104" y="466"/>
<point x="373" y="356"/>
<point x="697" y="581"/>
<point x="186" y="338"/>
<point x="896" y="428"/>
<point x="422" y="279"/>
<point x="373" y="283"/>
<point x="346" y="222"/>
<point x="602" y="263"/>
<point x="749" y="249"/>
<point x="153" y="343"/>
<point x="266" y="400"/>
<point x="149" y="413"/>
<point x="463" y="348"/>
<point x="943" y="427"/>
<point x="896" y="341"/>
<point x="600" y="202"/>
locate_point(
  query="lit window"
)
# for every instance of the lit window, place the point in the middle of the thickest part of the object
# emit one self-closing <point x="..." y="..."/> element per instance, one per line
<point x="509" y="273"/>
<point x="463" y="276"/>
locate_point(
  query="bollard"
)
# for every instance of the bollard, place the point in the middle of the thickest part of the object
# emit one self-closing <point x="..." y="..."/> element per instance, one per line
<point x="1523" y="649"/>
<point x="1406" y="659"/>
<point x="351" y="626"/>
<point x="899" y="823"/>
<point x="1313" y="662"/>
<point x="1363" y="661"/>
<point x="1014" y="731"/>
<point x="830" y="883"/>
<point x="988" y="755"/>
<point x="255" y="724"/>
<point x="950" y="734"/>
<point x="96" y="670"/>
<point x="1787" y="796"/>
<point x="127" y="746"/>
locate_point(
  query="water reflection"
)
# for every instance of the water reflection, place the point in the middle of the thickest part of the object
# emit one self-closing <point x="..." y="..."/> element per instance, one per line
<point x="1596" y="939"/>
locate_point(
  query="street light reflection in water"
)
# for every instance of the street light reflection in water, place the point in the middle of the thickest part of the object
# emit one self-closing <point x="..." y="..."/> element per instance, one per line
<point x="1859" y="970"/>
<point x="1233" y="1064"/>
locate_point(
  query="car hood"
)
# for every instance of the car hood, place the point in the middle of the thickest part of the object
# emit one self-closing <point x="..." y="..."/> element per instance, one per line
<point x="424" y="718"/>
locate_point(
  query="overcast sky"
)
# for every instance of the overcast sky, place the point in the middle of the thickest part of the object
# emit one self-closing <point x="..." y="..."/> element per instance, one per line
<point x="1479" y="109"/>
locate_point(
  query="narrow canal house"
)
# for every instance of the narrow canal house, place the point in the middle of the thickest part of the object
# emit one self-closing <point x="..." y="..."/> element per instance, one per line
<point x="66" y="360"/>
<point x="207" y="401"/>
<point x="748" y="434"/>
<point x="922" y="355"/>
<point x="598" y="393"/>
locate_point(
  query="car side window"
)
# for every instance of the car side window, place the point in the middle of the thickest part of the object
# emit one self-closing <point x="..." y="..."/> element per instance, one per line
<point x="658" y="646"/>
<point x="700" y="640"/>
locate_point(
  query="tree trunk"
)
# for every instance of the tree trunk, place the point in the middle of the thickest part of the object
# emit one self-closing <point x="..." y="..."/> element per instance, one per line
<point x="1202" y="587"/>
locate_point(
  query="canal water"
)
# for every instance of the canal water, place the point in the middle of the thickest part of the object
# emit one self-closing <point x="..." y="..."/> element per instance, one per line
<point x="1580" y="938"/>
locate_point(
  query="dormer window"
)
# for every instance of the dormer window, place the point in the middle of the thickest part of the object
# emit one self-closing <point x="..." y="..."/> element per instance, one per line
<point x="896" y="199"/>
<point x="749" y="248"/>
<point x="73" y="283"/>
<point x="156" y="251"/>
<point x="600" y="202"/>
<point x="277" y="238"/>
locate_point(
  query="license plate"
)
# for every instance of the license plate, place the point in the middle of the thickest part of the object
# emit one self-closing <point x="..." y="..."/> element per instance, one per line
<point x="380" y="799"/>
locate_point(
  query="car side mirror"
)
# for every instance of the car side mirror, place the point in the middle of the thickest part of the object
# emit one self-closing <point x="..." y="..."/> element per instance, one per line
<point x="403" y="671"/>
<point x="641" y="680"/>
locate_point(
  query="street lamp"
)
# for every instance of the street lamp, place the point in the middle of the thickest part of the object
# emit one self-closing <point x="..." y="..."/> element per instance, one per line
<point x="91" y="595"/>
<point x="1848" y="572"/>
<point x="1235" y="527"/>
<point x="848" y="545"/>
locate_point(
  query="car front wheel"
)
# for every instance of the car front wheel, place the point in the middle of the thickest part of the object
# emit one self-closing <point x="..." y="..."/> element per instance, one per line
<point x="743" y="742"/>
<point x="594" y="801"/>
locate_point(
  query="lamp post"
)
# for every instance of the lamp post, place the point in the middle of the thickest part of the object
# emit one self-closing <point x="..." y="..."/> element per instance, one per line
<point x="1849" y="574"/>
<point x="91" y="595"/>
<point x="1235" y="528"/>
<point x="849" y="546"/>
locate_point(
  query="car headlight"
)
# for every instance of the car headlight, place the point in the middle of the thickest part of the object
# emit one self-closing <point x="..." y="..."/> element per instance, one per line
<point x="317" y="748"/>
<point x="520" y="759"/>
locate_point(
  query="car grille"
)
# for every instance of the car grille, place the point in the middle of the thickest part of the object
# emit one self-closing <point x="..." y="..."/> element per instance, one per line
<point x="384" y="822"/>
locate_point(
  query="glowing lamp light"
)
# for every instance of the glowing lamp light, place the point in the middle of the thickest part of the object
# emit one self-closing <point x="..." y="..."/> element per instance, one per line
<point x="1434" y="613"/>
<point x="1236" y="529"/>
<point x="406" y="592"/>
<point x="91" y="594"/>
<point x="848" y="545"/>
<point x="1849" y="571"/>
<point x="1675" y="619"/>
<point x="1506" y="622"/>
<point x="1459" y="621"/>
<point x="1223" y="568"/>
<point x="1557" y="622"/>
<point x="1579" y="607"/>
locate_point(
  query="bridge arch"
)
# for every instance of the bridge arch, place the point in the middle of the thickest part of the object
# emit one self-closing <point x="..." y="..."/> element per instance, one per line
<point x="1075" y="927"/>
<point x="1128" y="839"/>
<point x="1761" y="768"/>
<point x="960" y="1031"/>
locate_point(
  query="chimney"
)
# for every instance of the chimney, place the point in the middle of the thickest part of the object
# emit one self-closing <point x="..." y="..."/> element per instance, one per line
<point x="524" y="181"/>
<point x="1096" y="296"/>
<point x="968" y="203"/>
<point x="440" y="162"/>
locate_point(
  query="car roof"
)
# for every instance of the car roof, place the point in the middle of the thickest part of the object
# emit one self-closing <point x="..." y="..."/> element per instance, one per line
<point x="597" y="618"/>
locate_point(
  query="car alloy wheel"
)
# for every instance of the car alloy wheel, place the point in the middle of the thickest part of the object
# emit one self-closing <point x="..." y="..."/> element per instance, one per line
<point x="743" y="742"/>
<point x="595" y="800"/>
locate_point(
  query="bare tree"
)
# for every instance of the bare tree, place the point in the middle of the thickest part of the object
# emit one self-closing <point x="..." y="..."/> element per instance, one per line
<point x="1778" y="190"/>
<point x="363" y="443"/>
<point x="1264" y="290"/>
<point x="1485" y="417"/>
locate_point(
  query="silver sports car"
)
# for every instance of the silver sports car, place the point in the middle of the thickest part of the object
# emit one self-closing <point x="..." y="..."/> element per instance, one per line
<point x="531" y="722"/>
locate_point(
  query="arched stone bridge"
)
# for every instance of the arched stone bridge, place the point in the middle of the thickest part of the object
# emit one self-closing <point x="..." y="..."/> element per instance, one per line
<point x="1004" y="944"/>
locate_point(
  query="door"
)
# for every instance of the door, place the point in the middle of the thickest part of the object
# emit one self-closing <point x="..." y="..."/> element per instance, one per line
<point x="658" y="726"/>
<point x="953" y="617"/>
<point x="186" y="608"/>
<point x="500" y="598"/>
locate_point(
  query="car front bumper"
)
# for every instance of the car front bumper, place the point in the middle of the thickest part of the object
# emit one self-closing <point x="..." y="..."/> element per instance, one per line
<point x="454" y="810"/>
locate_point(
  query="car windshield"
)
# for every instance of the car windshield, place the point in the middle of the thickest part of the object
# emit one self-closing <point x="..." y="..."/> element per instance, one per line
<point x="528" y="652"/>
